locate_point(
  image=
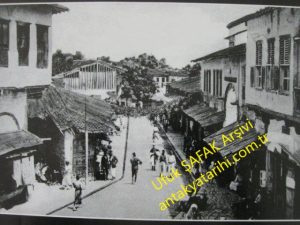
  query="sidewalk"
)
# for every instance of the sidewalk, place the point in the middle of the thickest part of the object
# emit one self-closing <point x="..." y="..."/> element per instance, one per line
<point x="219" y="199"/>
<point x="45" y="198"/>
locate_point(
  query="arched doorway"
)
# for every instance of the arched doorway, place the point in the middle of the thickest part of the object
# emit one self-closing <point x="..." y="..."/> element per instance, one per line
<point x="8" y="122"/>
<point x="231" y="110"/>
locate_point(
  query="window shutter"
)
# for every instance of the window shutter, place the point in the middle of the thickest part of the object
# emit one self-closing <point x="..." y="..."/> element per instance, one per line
<point x="258" y="52"/>
<point x="263" y="75"/>
<point x="252" y="77"/>
<point x="276" y="78"/>
<point x="285" y="50"/>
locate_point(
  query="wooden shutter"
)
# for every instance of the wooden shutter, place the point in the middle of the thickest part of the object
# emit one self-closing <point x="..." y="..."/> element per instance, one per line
<point x="258" y="52"/>
<point x="284" y="50"/>
<point x="252" y="78"/>
<point x="271" y="51"/>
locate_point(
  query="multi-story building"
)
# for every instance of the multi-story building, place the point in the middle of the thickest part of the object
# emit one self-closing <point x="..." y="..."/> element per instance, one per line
<point x="163" y="77"/>
<point x="25" y="68"/>
<point x="223" y="73"/>
<point x="272" y="99"/>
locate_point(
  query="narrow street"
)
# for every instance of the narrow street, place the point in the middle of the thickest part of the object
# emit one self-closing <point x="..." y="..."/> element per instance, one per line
<point x="124" y="200"/>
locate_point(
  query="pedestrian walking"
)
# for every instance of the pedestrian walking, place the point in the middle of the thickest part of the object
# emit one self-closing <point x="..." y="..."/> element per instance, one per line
<point x="105" y="165"/>
<point x="78" y="191"/>
<point x="171" y="162"/>
<point x="153" y="157"/>
<point x="113" y="160"/>
<point x="162" y="162"/>
<point x="135" y="162"/>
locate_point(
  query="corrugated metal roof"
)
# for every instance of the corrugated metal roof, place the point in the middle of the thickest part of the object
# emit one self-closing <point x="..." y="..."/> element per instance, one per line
<point x="17" y="140"/>
<point x="237" y="144"/>
<point x="205" y="115"/>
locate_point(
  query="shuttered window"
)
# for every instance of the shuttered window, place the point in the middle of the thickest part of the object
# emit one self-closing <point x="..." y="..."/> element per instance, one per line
<point x="275" y="78"/>
<point x="4" y="42"/>
<point x="207" y="81"/>
<point x="217" y="83"/>
<point x="271" y="48"/>
<point x="252" y="77"/>
<point x="284" y="60"/>
<point x="258" y="52"/>
<point x="258" y="77"/>
<point x="285" y="50"/>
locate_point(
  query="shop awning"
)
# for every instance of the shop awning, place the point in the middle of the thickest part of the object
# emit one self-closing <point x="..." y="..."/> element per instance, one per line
<point x="237" y="144"/>
<point x="17" y="140"/>
<point x="205" y="115"/>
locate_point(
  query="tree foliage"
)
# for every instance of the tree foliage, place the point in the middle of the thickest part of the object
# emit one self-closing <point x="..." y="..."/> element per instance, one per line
<point x="136" y="83"/>
<point x="193" y="70"/>
<point x="62" y="62"/>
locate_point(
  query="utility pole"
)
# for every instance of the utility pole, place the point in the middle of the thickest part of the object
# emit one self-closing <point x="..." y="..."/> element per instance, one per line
<point x="86" y="140"/>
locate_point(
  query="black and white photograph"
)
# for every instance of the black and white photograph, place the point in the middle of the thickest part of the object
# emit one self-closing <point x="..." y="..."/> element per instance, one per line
<point x="161" y="111"/>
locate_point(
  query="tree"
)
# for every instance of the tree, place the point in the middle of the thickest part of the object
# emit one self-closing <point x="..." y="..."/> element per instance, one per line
<point x="78" y="56"/>
<point x="105" y="59"/>
<point x="62" y="62"/>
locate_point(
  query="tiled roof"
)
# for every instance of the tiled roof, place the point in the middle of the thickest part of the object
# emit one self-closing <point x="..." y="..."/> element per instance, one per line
<point x="189" y="85"/>
<point x="250" y="16"/>
<point x="16" y="140"/>
<point x="68" y="110"/>
<point x="157" y="72"/>
<point x="227" y="52"/>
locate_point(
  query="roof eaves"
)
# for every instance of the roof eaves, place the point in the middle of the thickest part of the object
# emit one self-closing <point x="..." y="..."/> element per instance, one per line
<point x="231" y="51"/>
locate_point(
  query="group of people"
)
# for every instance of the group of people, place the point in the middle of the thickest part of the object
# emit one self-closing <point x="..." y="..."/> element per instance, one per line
<point x="166" y="161"/>
<point x="106" y="163"/>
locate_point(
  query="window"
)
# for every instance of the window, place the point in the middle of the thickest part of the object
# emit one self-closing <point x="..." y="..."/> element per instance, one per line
<point x="42" y="46"/>
<point x="258" y="77"/>
<point x="252" y="77"/>
<point x="258" y="69"/>
<point x="271" y="47"/>
<point x="258" y="53"/>
<point x="217" y="83"/>
<point x="272" y="78"/>
<point x="231" y="41"/>
<point x="163" y="79"/>
<point x="243" y="82"/>
<point x="23" y="42"/>
<point x="4" y="42"/>
<point x="167" y="79"/>
<point x="157" y="79"/>
<point x="285" y="50"/>
<point x="207" y="81"/>
<point x="284" y="61"/>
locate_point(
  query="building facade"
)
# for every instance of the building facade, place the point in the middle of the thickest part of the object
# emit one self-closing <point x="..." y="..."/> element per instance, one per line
<point x="92" y="77"/>
<point x="223" y="74"/>
<point x="272" y="100"/>
<point x="25" y="68"/>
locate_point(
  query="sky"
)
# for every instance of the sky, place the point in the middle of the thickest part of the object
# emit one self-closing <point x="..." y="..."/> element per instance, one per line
<point x="179" y="32"/>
